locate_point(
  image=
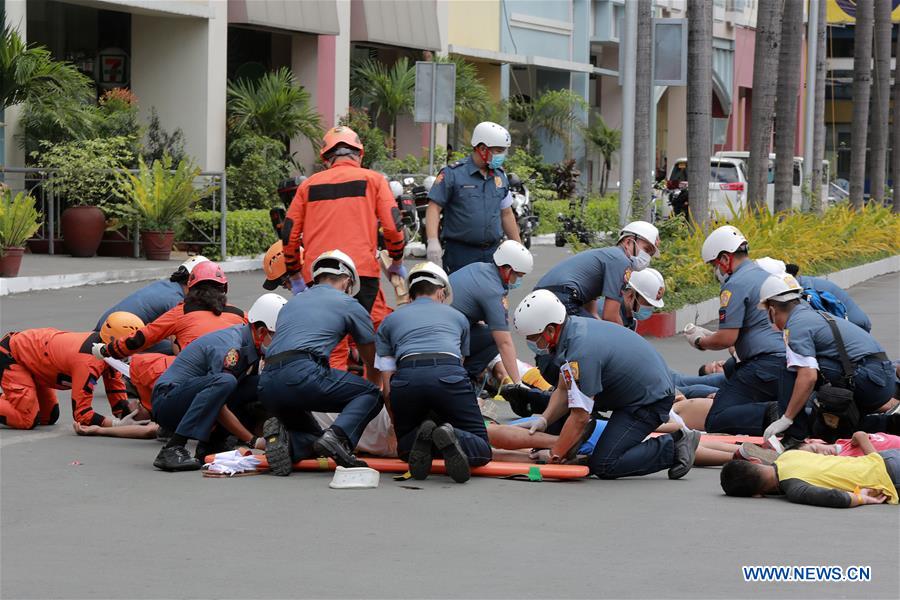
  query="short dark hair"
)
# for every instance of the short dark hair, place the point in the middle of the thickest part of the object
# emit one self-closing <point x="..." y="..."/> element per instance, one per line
<point x="423" y="288"/>
<point x="180" y="275"/>
<point x="792" y="269"/>
<point x="702" y="370"/>
<point x="741" y="478"/>
<point x="783" y="306"/>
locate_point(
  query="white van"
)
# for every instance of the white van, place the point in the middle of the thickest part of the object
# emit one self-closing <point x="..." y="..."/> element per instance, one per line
<point x="799" y="176"/>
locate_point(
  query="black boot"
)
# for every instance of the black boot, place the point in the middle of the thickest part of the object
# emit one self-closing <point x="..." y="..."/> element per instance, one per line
<point x="455" y="460"/>
<point x="176" y="458"/>
<point x="420" y="456"/>
<point x="278" y="448"/>
<point x="332" y="446"/>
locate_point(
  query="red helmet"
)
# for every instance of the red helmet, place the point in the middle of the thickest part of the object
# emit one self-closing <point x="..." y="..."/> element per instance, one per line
<point x="207" y="271"/>
<point x="340" y="135"/>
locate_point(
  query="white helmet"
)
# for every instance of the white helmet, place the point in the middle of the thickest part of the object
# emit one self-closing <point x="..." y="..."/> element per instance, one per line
<point x="780" y="288"/>
<point x="430" y="272"/>
<point x="345" y="266"/>
<point x="192" y="262"/>
<point x="266" y="309"/>
<point x="428" y="182"/>
<point x="537" y="310"/>
<point x="772" y="266"/>
<point x="724" y="239"/>
<point x="491" y="135"/>
<point x="649" y="283"/>
<point x="515" y="255"/>
<point x="396" y="188"/>
<point x="643" y="230"/>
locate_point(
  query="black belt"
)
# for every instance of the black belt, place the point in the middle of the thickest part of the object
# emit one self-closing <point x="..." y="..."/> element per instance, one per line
<point x="878" y="356"/>
<point x="430" y="359"/>
<point x="479" y="245"/>
<point x="569" y="290"/>
<point x="283" y="358"/>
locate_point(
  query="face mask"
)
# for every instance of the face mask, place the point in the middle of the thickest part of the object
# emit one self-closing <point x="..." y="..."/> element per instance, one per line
<point x="720" y="275"/>
<point x="538" y="351"/>
<point x="497" y="160"/>
<point x="514" y="284"/>
<point x="644" y="312"/>
<point x="264" y="349"/>
<point x="772" y="320"/>
<point x="641" y="261"/>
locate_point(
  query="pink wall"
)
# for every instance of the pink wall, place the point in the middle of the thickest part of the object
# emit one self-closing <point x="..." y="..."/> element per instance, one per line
<point x="744" y="47"/>
<point x="325" y="79"/>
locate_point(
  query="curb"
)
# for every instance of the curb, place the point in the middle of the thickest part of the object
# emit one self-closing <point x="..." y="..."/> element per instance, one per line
<point x="545" y="239"/>
<point x="21" y="285"/>
<point x="708" y="310"/>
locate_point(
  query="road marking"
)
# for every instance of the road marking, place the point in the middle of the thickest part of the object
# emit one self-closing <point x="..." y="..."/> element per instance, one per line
<point x="31" y="437"/>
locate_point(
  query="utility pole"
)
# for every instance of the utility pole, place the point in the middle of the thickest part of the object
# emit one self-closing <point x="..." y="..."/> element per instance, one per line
<point x="812" y="46"/>
<point x="626" y="170"/>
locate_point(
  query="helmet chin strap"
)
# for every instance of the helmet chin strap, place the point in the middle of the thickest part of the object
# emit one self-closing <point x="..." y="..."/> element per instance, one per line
<point x="485" y="156"/>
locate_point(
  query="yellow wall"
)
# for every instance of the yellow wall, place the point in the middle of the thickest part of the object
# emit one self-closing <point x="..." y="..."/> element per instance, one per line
<point x="838" y="111"/>
<point x="474" y="24"/>
<point x="490" y="75"/>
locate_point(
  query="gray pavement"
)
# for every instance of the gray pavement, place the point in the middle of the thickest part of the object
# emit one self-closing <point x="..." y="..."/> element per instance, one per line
<point x="90" y="517"/>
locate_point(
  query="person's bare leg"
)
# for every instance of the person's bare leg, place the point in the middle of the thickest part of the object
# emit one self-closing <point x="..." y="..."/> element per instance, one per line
<point x="510" y="437"/>
<point x="709" y="457"/>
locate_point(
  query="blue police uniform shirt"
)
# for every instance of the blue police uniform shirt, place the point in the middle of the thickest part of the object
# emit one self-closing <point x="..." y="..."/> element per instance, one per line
<point x="807" y="335"/>
<point x="480" y="294"/>
<point x="471" y="202"/>
<point x="594" y="273"/>
<point x="855" y="314"/>
<point x="423" y="326"/>
<point x="149" y="302"/>
<point x="738" y="310"/>
<point x="230" y="350"/>
<point x="610" y="366"/>
<point x="318" y="319"/>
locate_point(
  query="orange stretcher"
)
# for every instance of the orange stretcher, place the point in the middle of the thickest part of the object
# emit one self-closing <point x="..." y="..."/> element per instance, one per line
<point x="725" y="438"/>
<point x="492" y="469"/>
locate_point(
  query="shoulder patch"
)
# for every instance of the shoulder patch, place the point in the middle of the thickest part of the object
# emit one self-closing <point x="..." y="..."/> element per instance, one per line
<point x="627" y="275"/>
<point x="570" y="373"/>
<point x="724" y="298"/>
<point x="440" y="177"/>
<point x="231" y="359"/>
<point x="498" y="183"/>
<point x="786" y="334"/>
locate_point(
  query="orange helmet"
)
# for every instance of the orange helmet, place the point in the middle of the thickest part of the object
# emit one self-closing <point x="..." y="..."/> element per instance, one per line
<point x="119" y="325"/>
<point x="340" y="135"/>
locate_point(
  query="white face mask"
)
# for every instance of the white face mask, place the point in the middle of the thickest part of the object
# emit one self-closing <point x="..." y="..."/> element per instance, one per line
<point x="641" y="261"/>
<point x="720" y="275"/>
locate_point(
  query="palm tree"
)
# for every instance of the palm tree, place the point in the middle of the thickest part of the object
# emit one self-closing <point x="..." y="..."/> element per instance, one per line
<point x="274" y="106"/>
<point x="473" y="100"/>
<point x="881" y="98"/>
<point x="606" y="141"/>
<point x="699" y="105"/>
<point x="765" y="69"/>
<point x="553" y="112"/>
<point x="818" y="153"/>
<point x="386" y="91"/>
<point x="786" y="103"/>
<point x="643" y="153"/>
<point x="862" y="82"/>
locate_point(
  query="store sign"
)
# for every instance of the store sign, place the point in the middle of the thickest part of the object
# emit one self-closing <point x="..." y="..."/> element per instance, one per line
<point x="113" y="69"/>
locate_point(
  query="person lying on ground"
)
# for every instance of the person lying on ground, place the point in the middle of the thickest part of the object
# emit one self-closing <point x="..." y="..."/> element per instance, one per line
<point x="820" y="480"/>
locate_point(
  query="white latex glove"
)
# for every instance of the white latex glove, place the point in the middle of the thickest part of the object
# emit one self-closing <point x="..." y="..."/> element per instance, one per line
<point x="692" y="333"/>
<point x="537" y="423"/>
<point x="97" y="350"/>
<point x="778" y="426"/>
<point x="433" y="251"/>
<point x="129" y="420"/>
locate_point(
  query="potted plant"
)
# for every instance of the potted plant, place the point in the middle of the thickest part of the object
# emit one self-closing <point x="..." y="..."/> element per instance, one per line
<point x="19" y="219"/>
<point x="160" y="199"/>
<point x="83" y="173"/>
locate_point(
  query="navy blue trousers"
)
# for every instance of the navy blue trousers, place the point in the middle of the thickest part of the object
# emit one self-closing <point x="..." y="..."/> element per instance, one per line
<point x="294" y="390"/>
<point x="482" y="349"/>
<point x="622" y="450"/>
<point x="457" y="255"/>
<point x="444" y="393"/>
<point x="191" y="409"/>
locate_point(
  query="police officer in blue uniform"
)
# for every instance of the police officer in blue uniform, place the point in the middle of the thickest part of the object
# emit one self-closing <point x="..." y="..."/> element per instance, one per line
<point x="419" y="351"/>
<point x="580" y="279"/>
<point x="855" y="314"/>
<point x="155" y="299"/>
<point x="812" y="350"/>
<point x="473" y="196"/>
<point x="758" y="391"/>
<point x="297" y="379"/>
<point x="480" y="293"/>
<point x="215" y="373"/>
<point x="606" y="367"/>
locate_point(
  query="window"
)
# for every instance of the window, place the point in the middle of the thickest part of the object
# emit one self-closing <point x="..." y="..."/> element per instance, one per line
<point x="724" y="173"/>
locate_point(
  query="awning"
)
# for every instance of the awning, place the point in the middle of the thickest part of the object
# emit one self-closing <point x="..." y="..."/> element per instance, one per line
<point x="396" y="23"/>
<point x="309" y="16"/>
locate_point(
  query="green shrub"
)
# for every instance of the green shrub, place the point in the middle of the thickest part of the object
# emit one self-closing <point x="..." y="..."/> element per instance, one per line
<point x="249" y="232"/>
<point x="600" y="214"/>
<point x="256" y="167"/>
<point x="372" y="138"/>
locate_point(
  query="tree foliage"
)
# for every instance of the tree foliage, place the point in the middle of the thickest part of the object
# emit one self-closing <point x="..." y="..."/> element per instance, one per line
<point x="385" y="91"/>
<point x="605" y="141"/>
<point x="555" y="113"/>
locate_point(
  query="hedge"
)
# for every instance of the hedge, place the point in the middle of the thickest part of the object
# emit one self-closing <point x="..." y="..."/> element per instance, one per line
<point x="249" y="232"/>
<point x="600" y="213"/>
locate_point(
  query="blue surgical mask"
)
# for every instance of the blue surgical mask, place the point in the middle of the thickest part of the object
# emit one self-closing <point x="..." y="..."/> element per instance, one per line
<point x="538" y="351"/>
<point x="644" y="312"/>
<point x="497" y="160"/>
<point x="514" y="284"/>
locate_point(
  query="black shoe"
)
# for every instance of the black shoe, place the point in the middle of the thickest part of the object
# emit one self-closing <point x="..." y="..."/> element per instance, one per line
<point x="773" y="413"/>
<point x="331" y="446"/>
<point x="176" y="458"/>
<point x="420" y="456"/>
<point x="455" y="460"/>
<point x="685" y="450"/>
<point x="278" y="448"/>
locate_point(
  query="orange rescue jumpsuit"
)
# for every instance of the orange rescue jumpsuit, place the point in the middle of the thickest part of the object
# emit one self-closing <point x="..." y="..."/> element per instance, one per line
<point x="340" y="209"/>
<point x="45" y="360"/>
<point x="186" y="324"/>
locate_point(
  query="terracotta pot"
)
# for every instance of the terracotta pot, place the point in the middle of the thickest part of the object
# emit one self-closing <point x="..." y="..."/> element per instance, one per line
<point x="11" y="261"/>
<point x="157" y="244"/>
<point x="82" y="229"/>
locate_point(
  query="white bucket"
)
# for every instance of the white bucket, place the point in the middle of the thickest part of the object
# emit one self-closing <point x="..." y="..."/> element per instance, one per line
<point x="355" y="478"/>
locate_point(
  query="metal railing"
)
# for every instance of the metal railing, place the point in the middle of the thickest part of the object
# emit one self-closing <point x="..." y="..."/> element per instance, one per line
<point x="35" y="182"/>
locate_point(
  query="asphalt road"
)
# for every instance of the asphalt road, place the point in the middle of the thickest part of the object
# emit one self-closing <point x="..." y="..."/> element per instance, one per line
<point x="90" y="517"/>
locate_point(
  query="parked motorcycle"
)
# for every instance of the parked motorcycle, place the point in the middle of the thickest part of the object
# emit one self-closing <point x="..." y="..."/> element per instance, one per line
<point x="286" y="190"/>
<point x="406" y="194"/>
<point x="573" y="225"/>
<point x="521" y="205"/>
